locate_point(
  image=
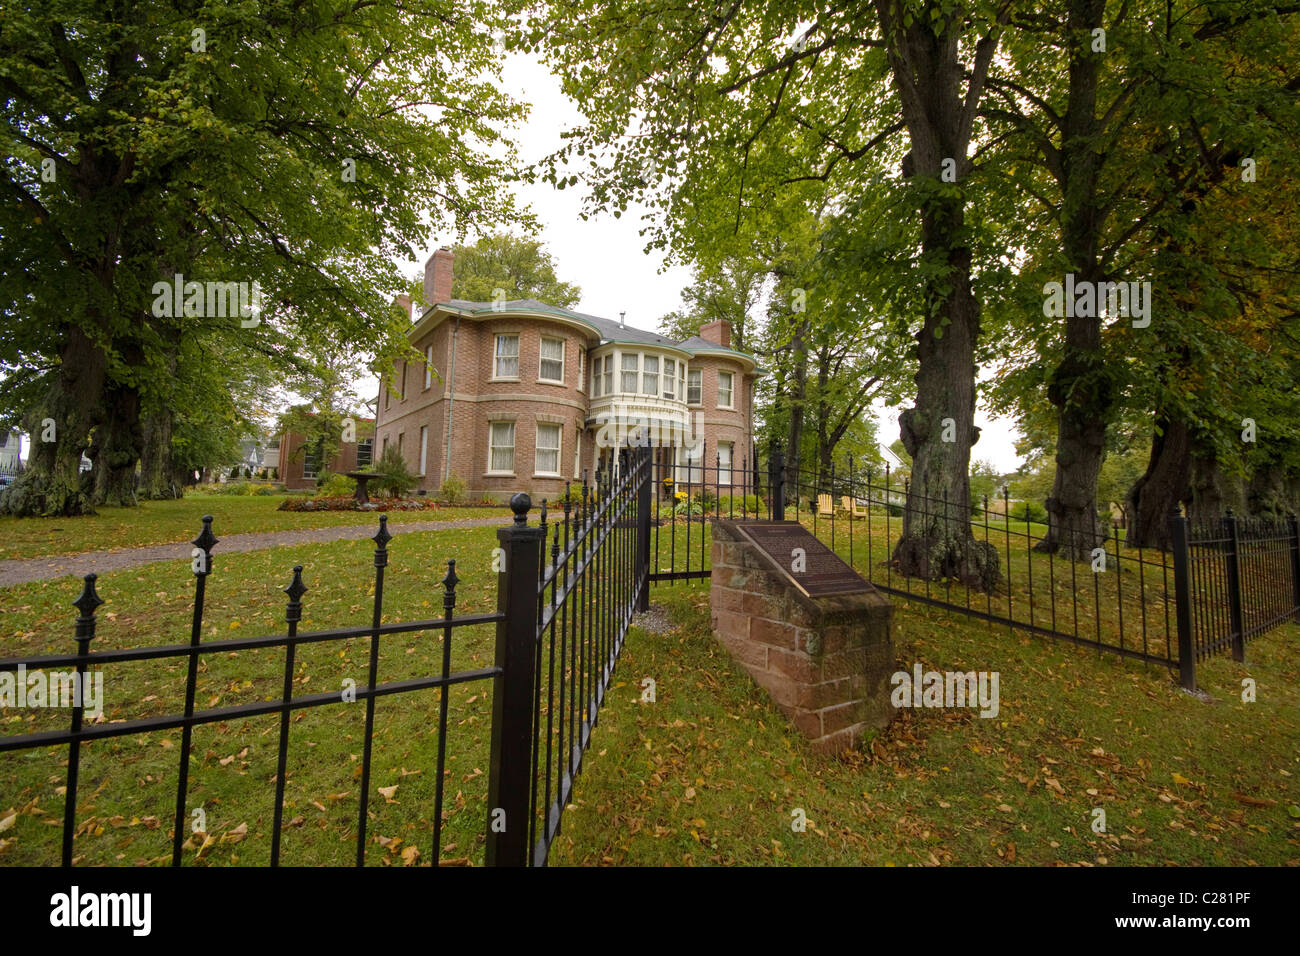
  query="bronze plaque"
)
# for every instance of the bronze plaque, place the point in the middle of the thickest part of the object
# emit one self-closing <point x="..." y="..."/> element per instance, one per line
<point x="817" y="571"/>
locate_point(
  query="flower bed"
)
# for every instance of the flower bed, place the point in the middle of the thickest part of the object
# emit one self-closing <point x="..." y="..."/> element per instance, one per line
<point x="351" y="504"/>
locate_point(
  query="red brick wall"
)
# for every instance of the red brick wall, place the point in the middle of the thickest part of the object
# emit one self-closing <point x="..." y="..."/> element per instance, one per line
<point x="825" y="662"/>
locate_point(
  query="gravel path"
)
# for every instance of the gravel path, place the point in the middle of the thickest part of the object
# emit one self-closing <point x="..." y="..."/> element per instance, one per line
<point x="25" y="570"/>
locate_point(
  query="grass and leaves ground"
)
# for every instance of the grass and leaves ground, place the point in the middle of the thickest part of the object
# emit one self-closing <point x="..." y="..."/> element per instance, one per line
<point x="170" y="522"/>
<point x="709" y="773"/>
<point x="712" y="773"/>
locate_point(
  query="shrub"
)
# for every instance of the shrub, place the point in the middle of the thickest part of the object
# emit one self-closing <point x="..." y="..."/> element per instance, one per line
<point x="739" y="504"/>
<point x="1029" y="511"/>
<point x="397" y="479"/>
<point x="336" y="486"/>
<point x="452" y="491"/>
<point x="265" y="490"/>
<point x="894" y="510"/>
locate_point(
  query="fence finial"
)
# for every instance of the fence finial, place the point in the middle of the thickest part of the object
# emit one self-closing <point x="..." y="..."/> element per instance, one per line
<point x="519" y="504"/>
<point x="86" y="604"/>
<point x="206" y="538"/>
<point x="295" y="590"/>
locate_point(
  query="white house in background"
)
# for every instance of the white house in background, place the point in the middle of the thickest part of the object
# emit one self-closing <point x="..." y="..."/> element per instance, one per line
<point x="11" y="447"/>
<point x="894" y="462"/>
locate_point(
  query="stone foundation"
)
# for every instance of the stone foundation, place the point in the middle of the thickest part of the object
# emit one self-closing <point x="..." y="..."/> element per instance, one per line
<point x="825" y="661"/>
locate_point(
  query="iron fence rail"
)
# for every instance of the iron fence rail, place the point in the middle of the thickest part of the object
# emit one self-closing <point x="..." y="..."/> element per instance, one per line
<point x="287" y="703"/>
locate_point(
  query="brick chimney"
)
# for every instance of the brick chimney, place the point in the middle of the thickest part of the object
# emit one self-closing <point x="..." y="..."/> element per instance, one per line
<point x="438" y="277"/>
<point x="719" y="333"/>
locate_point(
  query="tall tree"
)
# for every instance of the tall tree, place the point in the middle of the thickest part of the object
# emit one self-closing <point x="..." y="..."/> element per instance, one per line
<point x="291" y="143"/>
<point x="706" y="114"/>
<point x="510" y="266"/>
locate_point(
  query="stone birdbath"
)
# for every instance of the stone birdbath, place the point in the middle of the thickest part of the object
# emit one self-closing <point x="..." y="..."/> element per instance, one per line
<point x="362" y="478"/>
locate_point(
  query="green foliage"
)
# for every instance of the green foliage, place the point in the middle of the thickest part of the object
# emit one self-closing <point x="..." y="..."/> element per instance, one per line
<point x="452" y="491"/>
<point x="1023" y="511"/>
<point x="520" y="267"/>
<point x="397" y="480"/>
<point x="336" y="486"/>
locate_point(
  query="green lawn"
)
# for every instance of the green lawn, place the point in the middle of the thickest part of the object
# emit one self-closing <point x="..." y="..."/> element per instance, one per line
<point x="128" y="783"/>
<point x="170" y="522"/>
<point x="710" y="773"/>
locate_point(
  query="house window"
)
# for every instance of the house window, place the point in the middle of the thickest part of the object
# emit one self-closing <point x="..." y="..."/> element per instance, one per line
<point x="501" y="447"/>
<point x="724" y="462"/>
<point x="365" y="452"/>
<point x="694" y="387"/>
<point x="401" y="440"/>
<point x="690" y="464"/>
<point x="551" y="367"/>
<point x="609" y="375"/>
<point x="428" y="366"/>
<point x="595" y="377"/>
<point x="577" y="450"/>
<point x="725" y="380"/>
<point x="507" y="357"/>
<point x="582" y="362"/>
<point x="650" y="376"/>
<point x="630" y="369"/>
<point x="385" y="448"/>
<point x="424" y="448"/>
<point x="547" y="459"/>
<point x="308" y="464"/>
<point x="670" y="378"/>
<point x="388" y="397"/>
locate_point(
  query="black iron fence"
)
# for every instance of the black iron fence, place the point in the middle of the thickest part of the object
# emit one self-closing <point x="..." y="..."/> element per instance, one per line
<point x="1217" y="587"/>
<point x="560" y="624"/>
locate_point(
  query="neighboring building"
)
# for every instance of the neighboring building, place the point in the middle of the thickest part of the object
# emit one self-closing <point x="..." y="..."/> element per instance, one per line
<point x="11" y="447"/>
<point x="520" y="396"/>
<point x="298" y="468"/>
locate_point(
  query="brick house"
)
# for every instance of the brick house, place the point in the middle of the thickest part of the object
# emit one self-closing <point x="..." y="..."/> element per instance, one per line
<point x="297" y="468"/>
<point x="521" y="395"/>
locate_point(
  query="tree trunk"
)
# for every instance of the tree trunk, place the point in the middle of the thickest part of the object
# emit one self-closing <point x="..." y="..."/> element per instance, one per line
<point x="117" y="448"/>
<point x="158" y="478"/>
<point x="1156" y="494"/>
<point x="798" y="396"/>
<point x="52" y="484"/>
<point x="939" y="430"/>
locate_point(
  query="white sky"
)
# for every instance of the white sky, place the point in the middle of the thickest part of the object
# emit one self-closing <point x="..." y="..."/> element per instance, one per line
<point x="605" y="256"/>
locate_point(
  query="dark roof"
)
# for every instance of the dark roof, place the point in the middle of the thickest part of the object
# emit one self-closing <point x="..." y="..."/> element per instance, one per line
<point x="608" y="329"/>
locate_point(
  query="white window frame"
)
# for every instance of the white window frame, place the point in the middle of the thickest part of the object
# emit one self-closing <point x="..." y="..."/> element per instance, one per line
<point x="609" y="375"/>
<point x="670" y="379"/>
<point x="597" y="369"/>
<point x="428" y="366"/>
<point x="369" y="445"/>
<point x="624" y="372"/>
<point x="542" y="358"/>
<point x="577" y="451"/>
<point x="582" y="368"/>
<point x="308" y="463"/>
<point x="559" y="450"/>
<point x="647" y="376"/>
<point x="690" y="374"/>
<point x="491" y="447"/>
<point x="497" y="357"/>
<point x="726" y="463"/>
<point x="424" y="449"/>
<point x="731" y="389"/>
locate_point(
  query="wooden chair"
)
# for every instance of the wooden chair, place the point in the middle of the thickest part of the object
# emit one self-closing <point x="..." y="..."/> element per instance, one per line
<point x="852" y="508"/>
<point x="825" y="505"/>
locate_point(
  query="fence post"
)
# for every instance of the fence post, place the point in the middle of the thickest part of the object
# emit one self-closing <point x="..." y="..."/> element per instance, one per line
<point x="509" y="781"/>
<point x="643" y="504"/>
<point x="1235" y="615"/>
<point x="778" y="484"/>
<point x="1183" y="601"/>
<point x="1295" y="563"/>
